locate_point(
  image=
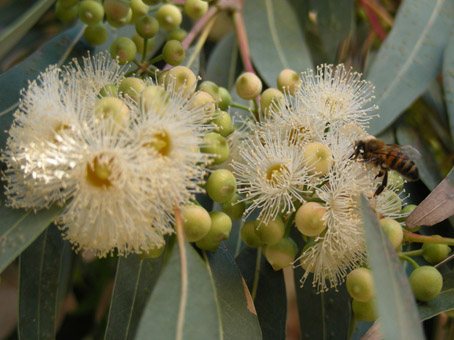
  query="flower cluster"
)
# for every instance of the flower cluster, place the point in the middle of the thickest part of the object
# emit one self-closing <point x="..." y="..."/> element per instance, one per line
<point x="120" y="163"/>
<point x="300" y="152"/>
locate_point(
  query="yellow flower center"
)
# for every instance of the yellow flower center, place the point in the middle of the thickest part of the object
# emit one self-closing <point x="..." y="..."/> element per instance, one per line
<point x="275" y="172"/>
<point x="98" y="173"/>
<point x="160" y="142"/>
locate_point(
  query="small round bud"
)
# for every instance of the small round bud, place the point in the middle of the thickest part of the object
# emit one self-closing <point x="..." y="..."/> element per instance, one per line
<point x="151" y="2"/>
<point x="225" y="99"/>
<point x="221" y="224"/>
<point x="281" y="254"/>
<point x="109" y="90"/>
<point x="407" y="210"/>
<point x="196" y="222"/>
<point x="249" y="234"/>
<point x="270" y="98"/>
<point x="271" y="232"/>
<point x="364" y="311"/>
<point x="392" y="201"/>
<point x="426" y="283"/>
<point x="435" y="253"/>
<point x="248" y="85"/>
<point x="394" y="231"/>
<point x="395" y="180"/>
<point x="309" y="219"/>
<point x="203" y="100"/>
<point x="154" y="99"/>
<point x="90" y="12"/>
<point x="123" y="48"/>
<point x="112" y="108"/>
<point x="195" y="8"/>
<point x="139" y="42"/>
<point x="96" y="34"/>
<point x="147" y="27"/>
<point x="217" y="146"/>
<point x="66" y="14"/>
<point x="234" y="208"/>
<point x="173" y="52"/>
<point x="139" y="9"/>
<point x="153" y="253"/>
<point x="288" y="81"/>
<point x="183" y="78"/>
<point x="177" y="34"/>
<point x="67" y="3"/>
<point x="211" y="88"/>
<point x="169" y="17"/>
<point x="223" y="123"/>
<point x="360" y="284"/>
<point x="221" y="185"/>
<point x="132" y="87"/>
<point x="317" y="157"/>
<point x="118" y="12"/>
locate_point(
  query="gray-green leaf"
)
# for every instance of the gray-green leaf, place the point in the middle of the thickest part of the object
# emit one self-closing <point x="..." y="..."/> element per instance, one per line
<point x="448" y="80"/>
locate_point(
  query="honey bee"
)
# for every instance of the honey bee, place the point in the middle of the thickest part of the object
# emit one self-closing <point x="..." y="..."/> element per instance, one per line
<point x="387" y="157"/>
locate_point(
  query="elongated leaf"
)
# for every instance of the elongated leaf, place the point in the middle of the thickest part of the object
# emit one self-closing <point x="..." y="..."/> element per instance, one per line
<point x="442" y="303"/>
<point x="448" y="80"/>
<point x="395" y="302"/>
<point x="22" y="25"/>
<point x="410" y="58"/>
<point x="335" y="23"/>
<point x="12" y="81"/>
<point x="436" y="207"/>
<point x="223" y="62"/>
<point x="41" y="284"/>
<point x="134" y="282"/>
<point x="270" y="300"/>
<point x="183" y="304"/>
<point x="239" y="318"/>
<point x="275" y="39"/>
<point x="19" y="228"/>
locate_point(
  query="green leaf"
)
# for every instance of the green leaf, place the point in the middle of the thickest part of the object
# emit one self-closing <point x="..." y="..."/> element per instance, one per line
<point x="12" y="81"/>
<point x="270" y="300"/>
<point x="275" y="39"/>
<point x="192" y="60"/>
<point x="395" y="302"/>
<point x="223" y="62"/>
<point x="134" y="282"/>
<point x="183" y="304"/>
<point x="442" y="303"/>
<point x="410" y="57"/>
<point x="19" y="228"/>
<point x="21" y="26"/>
<point x="239" y="318"/>
<point x="42" y="285"/>
<point x="335" y="23"/>
<point x="448" y="80"/>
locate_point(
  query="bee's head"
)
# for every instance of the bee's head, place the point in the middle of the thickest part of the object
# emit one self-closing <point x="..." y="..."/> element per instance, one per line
<point x="358" y="149"/>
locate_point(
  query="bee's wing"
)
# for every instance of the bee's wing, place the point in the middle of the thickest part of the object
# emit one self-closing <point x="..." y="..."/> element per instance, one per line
<point x="408" y="150"/>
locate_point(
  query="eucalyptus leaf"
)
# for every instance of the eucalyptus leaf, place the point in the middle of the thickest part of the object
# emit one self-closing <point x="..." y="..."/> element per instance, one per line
<point x="12" y="81"/>
<point x="223" y="62"/>
<point x="134" y="282"/>
<point x="394" y="300"/>
<point x="448" y="80"/>
<point x="275" y="39"/>
<point x="442" y="303"/>
<point x="270" y="299"/>
<point x="41" y="284"/>
<point x="19" y="228"/>
<point x="410" y="57"/>
<point x="183" y="304"/>
<point x="239" y="318"/>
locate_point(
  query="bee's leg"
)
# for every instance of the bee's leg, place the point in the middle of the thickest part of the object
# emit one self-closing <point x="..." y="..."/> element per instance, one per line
<point x="380" y="173"/>
<point x="383" y="184"/>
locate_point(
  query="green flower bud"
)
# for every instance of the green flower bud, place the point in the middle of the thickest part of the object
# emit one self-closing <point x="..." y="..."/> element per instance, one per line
<point x="112" y="108"/>
<point x="96" y="34"/>
<point x="67" y="3"/>
<point x="248" y="85"/>
<point x="202" y="99"/>
<point x="90" y="12"/>
<point x="395" y="180"/>
<point x="309" y="219"/>
<point x="288" y="81"/>
<point x="249" y="234"/>
<point x="223" y="123"/>
<point x="281" y="254"/>
<point x="66" y="14"/>
<point x="360" y="285"/>
<point x="169" y="17"/>
<point x="225" y="99"/>
<point x="177" y="34"/>
<point x="123" y="48"/>
<point x="271" y="232"/>
<point x="426" y="283"/>
<point x="221" y="224"/>
<point x="118" y="12"/>
<point x="317" y="157"/>
<point x="173" y="52"/>
<point x="392" y="202"/>
<point x="153" y="253"/>
<point x="221" y="185"/>
<point x="139" y="9"/>
<point x="151" y="2"/>
<point x="435" y="253"/>
<point x="196" y="222"/>
<point x="195" y="8"/>
<point x="211" y="88"/>
<point x="234" y="208"/>
<point x="269" y="99"/>
<point x="364" y="311"/>
<point x="217" y="146"/>
<point x="132" y="87"/>
<point x="394" y="231"/>
<point x="147" y="27"/>
<point x="154" y="99"/>
<point x="109" y="90"/>
<point x="183" y="78"/>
